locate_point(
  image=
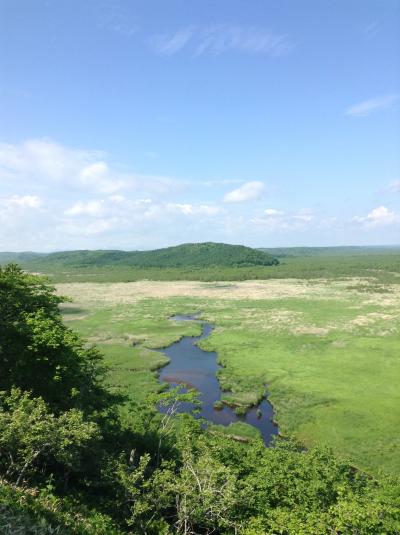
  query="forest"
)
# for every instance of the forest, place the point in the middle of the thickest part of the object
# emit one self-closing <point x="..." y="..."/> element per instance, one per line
<point x="185" y="255"/>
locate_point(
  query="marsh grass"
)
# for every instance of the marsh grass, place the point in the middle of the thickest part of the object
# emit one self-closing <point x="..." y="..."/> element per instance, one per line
<point x="327" y="351"/>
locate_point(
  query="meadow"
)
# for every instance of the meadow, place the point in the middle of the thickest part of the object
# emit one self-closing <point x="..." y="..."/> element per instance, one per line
<point x="325" y="349"/>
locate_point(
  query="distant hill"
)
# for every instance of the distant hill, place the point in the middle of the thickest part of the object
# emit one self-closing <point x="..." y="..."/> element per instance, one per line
<point x="6" y="257"/>
<point x="346" y="250"/>
<point x="200" y="255"/>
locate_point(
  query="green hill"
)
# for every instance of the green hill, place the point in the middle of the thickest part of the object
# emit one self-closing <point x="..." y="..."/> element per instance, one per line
<point x="204" y="255"/>
<point x="19" y="258"/>
<point x="199" y="255"/>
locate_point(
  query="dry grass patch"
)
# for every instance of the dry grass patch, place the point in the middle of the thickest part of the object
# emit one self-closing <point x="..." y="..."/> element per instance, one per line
<point x="311" y="329"/>
<point x="131" y="292"/>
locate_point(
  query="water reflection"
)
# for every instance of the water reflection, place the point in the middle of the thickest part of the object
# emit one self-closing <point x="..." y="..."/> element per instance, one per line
<point x="196" y="368"/>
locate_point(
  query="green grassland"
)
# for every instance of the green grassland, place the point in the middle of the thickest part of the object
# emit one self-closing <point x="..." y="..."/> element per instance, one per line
<point x="128" y="337"/>
<point x="326" y="350"/>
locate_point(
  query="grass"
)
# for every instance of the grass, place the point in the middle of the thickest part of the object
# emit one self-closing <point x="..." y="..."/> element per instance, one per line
<point x="127" y="337"/>
<point x="325" y="350"/>
<point x="237" y="430"/>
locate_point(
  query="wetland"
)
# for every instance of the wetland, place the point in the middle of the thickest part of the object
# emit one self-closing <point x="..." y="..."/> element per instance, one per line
<point x="189" y="365"/>
<point x="324" y="347"/>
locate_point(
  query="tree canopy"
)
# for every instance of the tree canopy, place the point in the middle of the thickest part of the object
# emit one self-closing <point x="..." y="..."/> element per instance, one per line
<point x="185" y="255"/>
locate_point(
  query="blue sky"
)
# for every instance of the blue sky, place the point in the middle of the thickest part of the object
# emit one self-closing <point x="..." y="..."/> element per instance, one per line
<point x="140" y="124"/>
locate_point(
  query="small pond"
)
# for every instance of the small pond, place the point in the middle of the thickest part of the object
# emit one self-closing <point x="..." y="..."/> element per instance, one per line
<point x="195" y="368"/>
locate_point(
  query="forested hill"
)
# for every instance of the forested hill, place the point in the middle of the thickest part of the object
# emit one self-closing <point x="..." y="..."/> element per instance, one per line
<point x="186" y="255"/>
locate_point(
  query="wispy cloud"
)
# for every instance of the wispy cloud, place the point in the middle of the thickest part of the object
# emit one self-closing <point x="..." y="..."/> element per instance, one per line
<point x="115" y="18"/>
<point x="222" y="38"/>
<point x="168" y="44"/>
<point x="366" y="107"/>
<point x="273" y="219"/>
<point x="371" y="29"/>
<point x="250" y="191"/>
<point x="394" y="186"/>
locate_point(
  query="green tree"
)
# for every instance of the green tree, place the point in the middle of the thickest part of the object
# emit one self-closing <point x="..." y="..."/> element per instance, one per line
<point x="34" y="441"/>
<point x="39" y="353"/>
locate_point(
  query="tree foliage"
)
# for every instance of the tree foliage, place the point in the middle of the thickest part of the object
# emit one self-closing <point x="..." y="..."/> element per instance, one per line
<point x="39" y="353"/>
<point x="32" y="438"/>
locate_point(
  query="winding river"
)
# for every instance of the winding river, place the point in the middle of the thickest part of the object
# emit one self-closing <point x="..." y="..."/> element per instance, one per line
<point x="195" y="368"/>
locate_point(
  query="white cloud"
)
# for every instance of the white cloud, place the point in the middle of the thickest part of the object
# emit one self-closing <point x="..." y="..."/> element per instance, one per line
<point x="273" y="219"/>
<point x="380" y="216"/>
<point x="305" y="218"/>
<point x="26" y="201"/>
<point x="193" y="210"/>
<point x="273" y="212"/>
<point x="22" y="221"/>
<point x="99" y="176"/>
<point x="17" y="210"/>
<point x="366" y="107"/>
<point x="101" y="225"/>
<point x="117" y="198"/>
<point x="56" y="197"/>
<point x="90" y="208"/>
<point x="41" y="159"/>
<point x="166" y="211"/>
<point x="89" y="228"/>
<point x="122" y="215"/>
<point x="49" y="164"/>
<point x="220" y="38"/>
<point x="250" y="191"/>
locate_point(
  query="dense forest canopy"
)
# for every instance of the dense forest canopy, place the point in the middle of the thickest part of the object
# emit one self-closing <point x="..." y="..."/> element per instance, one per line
<point x="71" y="461"/>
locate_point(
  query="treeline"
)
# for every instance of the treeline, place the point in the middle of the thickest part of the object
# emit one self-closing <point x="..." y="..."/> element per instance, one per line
<point x="71" y="461"/>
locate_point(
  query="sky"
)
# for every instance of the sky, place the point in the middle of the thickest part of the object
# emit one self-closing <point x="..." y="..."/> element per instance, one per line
<point x="131" y="124"/>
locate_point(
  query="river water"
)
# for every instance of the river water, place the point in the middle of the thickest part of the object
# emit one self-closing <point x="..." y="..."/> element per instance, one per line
<point x="195" y="368"/>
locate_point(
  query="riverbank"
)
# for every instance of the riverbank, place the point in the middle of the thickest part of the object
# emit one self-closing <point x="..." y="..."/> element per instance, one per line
<point x="193" y="367"/>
